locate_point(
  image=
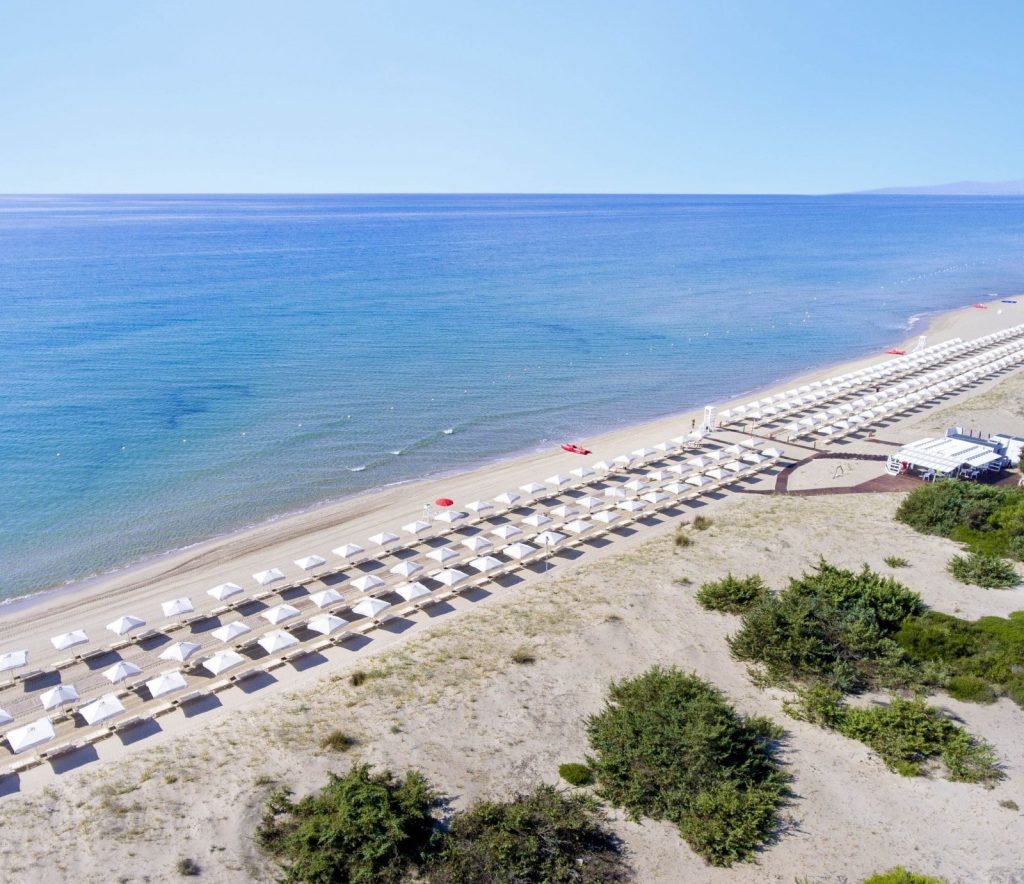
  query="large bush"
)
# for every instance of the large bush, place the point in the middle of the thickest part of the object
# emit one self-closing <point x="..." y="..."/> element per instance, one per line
<point x="669" y="746"/>
<point x="832" y="625"/>
<point x="733" y="595"/>
<point x="900" y="875"/>
<point x="939" y="507"/>
<point x="907" y="734"/>
<point x="544" y="836"/>
<point x="363" y="827"/>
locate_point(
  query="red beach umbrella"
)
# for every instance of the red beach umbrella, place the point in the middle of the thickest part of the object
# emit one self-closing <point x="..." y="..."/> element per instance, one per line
<point x="444" y="501"/>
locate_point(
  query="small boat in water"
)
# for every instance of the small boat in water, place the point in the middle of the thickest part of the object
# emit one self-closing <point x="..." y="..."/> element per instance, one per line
<point x="573" y="448"/>
<point x="896" y="351"/>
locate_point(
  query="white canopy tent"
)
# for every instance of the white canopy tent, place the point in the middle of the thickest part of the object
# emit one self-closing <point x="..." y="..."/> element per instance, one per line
<point x="180" y="651"/>
<point x="222" y="661"/>
<point x="30" y="735"/>
<point x="224" y="590"/>
<point x="230" y="631"/>
<point x="13" y="660"/>
<point x="367" y="583"/>
<point x="326" y="597"/>
<point x="412" y="591"/>
<point x="69" y="639"/>
<point x="277" y="640"/>
<point x="120" y="671"/>
<point x="177" y="607"/>
<point x="370" y="607"/>
<point x="310" y="563"/>
<point x="58" y="696"/>
<point x="99" y="710"/>
<point x="126" y="624"/>
<point x="265" y="578"/>
<point x="405" y="569"/>
<point x="325" y="624"/>
<point x="279" y="613"/>
<point x="349" y="551"/>
<point x="166" y="682"/>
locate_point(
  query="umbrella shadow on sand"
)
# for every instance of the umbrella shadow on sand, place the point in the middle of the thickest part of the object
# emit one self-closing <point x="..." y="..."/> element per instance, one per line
<point x="10" y="785"/>
<point x="73" y="760"/>
<point x="199" y="705"/>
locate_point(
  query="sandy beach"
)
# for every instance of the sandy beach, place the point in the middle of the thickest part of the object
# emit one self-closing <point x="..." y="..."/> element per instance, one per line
<point x="446" y="699"/>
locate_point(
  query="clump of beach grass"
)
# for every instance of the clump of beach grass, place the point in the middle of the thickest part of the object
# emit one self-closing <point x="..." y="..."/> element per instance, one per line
<point x="187" y="867"/>
<point x="338" y="741"/>
<point x="523" y="655"/>
<point x="702" y="523"/>
<point x="896" y="562"/>
<point x="682" y="538"/>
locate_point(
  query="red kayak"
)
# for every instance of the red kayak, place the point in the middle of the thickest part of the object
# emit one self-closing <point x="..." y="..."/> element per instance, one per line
<point x="896" y="351"/>
<point x="573" y="448"/>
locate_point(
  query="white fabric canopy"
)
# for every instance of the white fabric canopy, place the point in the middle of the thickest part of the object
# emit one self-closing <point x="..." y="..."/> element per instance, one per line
<point x="349" y="551"/>
<point x="279" y="613"/>
<point x="265" y="578"/>
<point x="222" y="661"/>
<point x="367" y="583"/>
<point x="58" y="696"/>
<point x="406" y="569"/>
<point x="177" y="607"/>
<point x="326" y="597"/>
<point x="308" y="563"/>
<point x="180" y="651"/>
<point x="479" y="506"/>
<point x="532" y="488"/>
<point x="99" y="710"/>
<point x="325" y="624"/>
<point x="224" y="590"/>
<point x="450" y="577"/>
<point x="485" y="564"/>
<point x="385" y="538"/>
<point x="417" y="527"/>
<point x="166" y="682"/>
<point x="30" y="735"/>
<point x="69" y="639"/>
<point x="231" y="630"/>
<point x="120" y="671"/>
<point x="370" y="607"/>
<point x="442" y="554"/>
<point x="126" y="624"/>
<point x="506" y="531"/>
<point x="519" y="551"/>
<point x="276" y="640"/>
<point x="410" y="591"/>
<point x="535" y="520"/>
<point x="13" y="660"/>
<point x="477" y="543"/>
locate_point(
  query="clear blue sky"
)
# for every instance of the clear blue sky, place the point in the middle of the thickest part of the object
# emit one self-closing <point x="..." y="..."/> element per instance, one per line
<point x="762" y="96"/>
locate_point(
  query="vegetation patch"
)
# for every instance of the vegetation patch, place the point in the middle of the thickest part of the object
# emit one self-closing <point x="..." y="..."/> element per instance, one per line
<point x="360" y="827"/>
<point x="683" y="538"/>
<point x="338" y="741"/>
<point x="543" y="836"/>
<point x="187" y="868"/>
<point x="975" y="660"/>
<point x="896" y="562"/>
<point x="980" y="569"/>
<point x="733" y="595"/>
<point x="830" y="625"/>
<point x="900" y="875"/>
<point x="523" y="656"/>
<point x="576" y="774"/>
<point x="907" y="734"/>
<point x="702" y="523"/>
<point x="670" y="747"/>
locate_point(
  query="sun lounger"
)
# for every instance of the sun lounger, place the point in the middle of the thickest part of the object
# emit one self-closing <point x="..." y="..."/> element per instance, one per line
<point x="244" y="674"/>
<point x="119" y="726"/>
<point x="23" y="764"/>
<point x="57" y="751"/>
<point x="188" y="698"/>
<point x="221" y="685"/>
<point x="162" y="709"/>
<point x="64" y="664"/>
<point x="25" y="676"/>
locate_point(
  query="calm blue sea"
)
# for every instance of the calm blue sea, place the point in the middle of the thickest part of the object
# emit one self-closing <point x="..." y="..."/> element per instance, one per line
<point x="175" y="367"/>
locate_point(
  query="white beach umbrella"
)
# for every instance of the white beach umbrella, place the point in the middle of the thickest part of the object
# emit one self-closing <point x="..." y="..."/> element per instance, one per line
<point x="578" y="526"/>
<point x="532" y="488"/>
<point x="442" y="554"/>
<point x="367" y="583"/>
<point x="120" y="671"/>
<point x="589" y="502"/>
<point x="405" y="569"/>
<point x="655" y="497"/>
<point x="677" y="488"/>
<point x="557" y="481"/>
<point x="411" y="591"/>
<point x="308" y="563"/>
<point x="717" y="455"/>
<point x="643" y="453"/>
<point x="505" y="532"/>
<point x="698" y="462"/>
<point x="677" y="469"/>
<point x="616" y="492"/>
<point x="605" y="517"/>
<point x="177" y="607"/>
<point x="665" y="447"/>
<point x="635" y="485"/>
<point x="265" y="578"/>
<point x="13" y="660"/>
<point x="30" y="735"/>
<point x="180" y="651"/>
<point x="507" y="498"/>
<point x="754" y="457"/>
<point x="384" y="539"/>
<point x="698" y="481"/>
<point x="450" y="577"/>
<point x="477" y="543"/>
<point x="519" y="551"/>
<point x="623" y="461"/>
<point x="124" y="625"/>
<point x="630" y="506"/>
<point x="659" y="475"/>
<point x="279" y="613"/>
<point x="370" y="607"/>
<point x="416" y="528"/>
<point x="602" y="466"/>
<point x="735" y="450"/>
<point x="484" y="564"/>
<point x="479" y="507"/>
<point x="716" y="473"/>
<point x="550" y="539"/>
<point x="349" y="551"/>
<point x="325" y="624"/>
<point x="224" y="590"/>
<point x="276" y="640"/>
<point x="582" y="472"/>
<point x="450" y="517"/>
<point x="772" y="452"/>
<point x="326" y="597"/>
<point x="734" y="466"/>
<point x="562" y="511"/>
<point x="230" y="631"/>
<point x="535" y="520"/>
<point x="99" y="710"/>
<point x="5" y="717"/>
<point x="58" y="696"/>
<point x="166" y="682"/>
<point x="222" y="661"/>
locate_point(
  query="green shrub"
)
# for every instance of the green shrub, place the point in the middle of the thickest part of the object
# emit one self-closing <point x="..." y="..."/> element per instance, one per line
<point x="358" y="677"/>
<point x="734" y="595"/>
<point x="988" y="572"/>
<point x="896" y="562"/>
<point x="831" y="625"/>
<point x="1015" y="547"/>
<point x="939" y="507"/>
<point x="1009" y="804"/>
<point x="576" y="774"/>
<point x="906" y="734"/>
<point x="702" y="523"/>
<point x="187" y="868"/>
<point x="970" y="689"/>
<point x="669" y="746"/>
<point x="544" y="836"/>
<point x="900" y="875"/>
<point x="361" y="827"/>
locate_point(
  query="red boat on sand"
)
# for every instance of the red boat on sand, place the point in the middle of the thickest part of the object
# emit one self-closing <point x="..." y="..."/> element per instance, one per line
<point x="573" y="448"/>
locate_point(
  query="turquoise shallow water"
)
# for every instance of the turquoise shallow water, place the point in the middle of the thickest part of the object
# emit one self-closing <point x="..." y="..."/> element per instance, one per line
<point x="175" y="367"/>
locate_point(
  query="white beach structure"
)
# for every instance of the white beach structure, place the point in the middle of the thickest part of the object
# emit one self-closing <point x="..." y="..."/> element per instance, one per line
<point x="277" y="640"/>
<point x="325" y="624"/>
<point x="180" y="651"/>
<point x="13" y="660"/>
<point x="384" y="539"/>
<point x="58" y="696"/>
<point x="311" y="562"/>
<point x="222" y="661"/>
<point x="412" y="591"/>
<point x="326" y="597"/>
<point x="166" y="683"/>
<point x="370" y="607"/>
<point x="350" y="552"/>
<point x="177" y="607"/>
<point x="224" y="590"/>
<point x="279" y="613"/>
<point x="230" y="631"/>
<point x="265" y="578"/>
<point x="124" y="625"/>
<point x="120" y="671"/>
<point x="405" y="569"/>
<point x="367" y="583"/>
<point x="442" y="554"/>
<point x="102" y="709"/>
<point x="22" y="738"/>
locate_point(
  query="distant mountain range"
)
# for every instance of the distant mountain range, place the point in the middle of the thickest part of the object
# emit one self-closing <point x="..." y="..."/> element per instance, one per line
<point x="957" y="188"/>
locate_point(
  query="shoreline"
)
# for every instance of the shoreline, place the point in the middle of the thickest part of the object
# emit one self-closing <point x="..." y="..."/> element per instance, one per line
<point x="330" y="514"/>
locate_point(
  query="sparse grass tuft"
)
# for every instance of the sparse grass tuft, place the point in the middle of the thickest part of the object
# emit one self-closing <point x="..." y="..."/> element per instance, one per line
<point x="702" y="523"/>
<point x="682" y="539"/>
<point x="1009" y="804"/>
<point x="523" y="655"/>
<point x="338" y="741"/>
<point x="896" y="562"/>
<point x="900" y="875"/>
<point x="186" y="867"/>
<point x="358" y="677"/>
